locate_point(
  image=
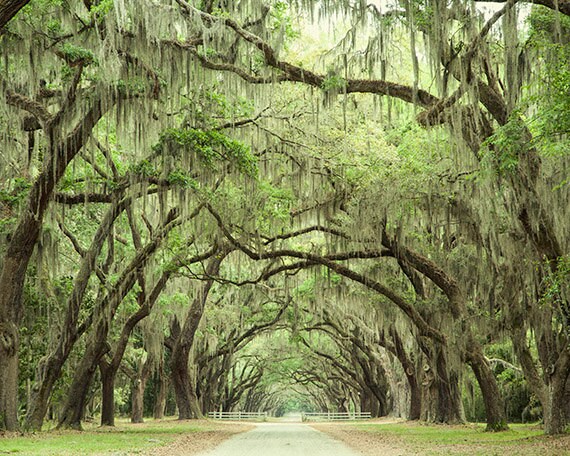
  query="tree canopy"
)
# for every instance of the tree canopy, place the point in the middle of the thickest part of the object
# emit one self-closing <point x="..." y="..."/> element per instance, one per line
<point x="284" y="205"/>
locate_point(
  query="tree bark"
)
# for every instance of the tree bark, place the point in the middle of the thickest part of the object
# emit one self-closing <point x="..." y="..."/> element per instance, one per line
<point x="139" y="386"/>
<point x="49" y="368"/>
<point x="8" y="9"/>
<point x="441" y="394"/>
<point x="411" y="375"/>
<point x="415" y="399"/>
<point x="137" y="398"/>
<point x="370" y="382"/>
<point x="489" y="389"/>
<point x="548" y="388"/>
<point x="555" y="412"/>
<point x="161" y="394"/>
<point x="184" y="389"/>
<point x="107" y="393"/>
<point x="78" y="393"/>
<point x="9" y="375"/>
<point x="19" y="252"/>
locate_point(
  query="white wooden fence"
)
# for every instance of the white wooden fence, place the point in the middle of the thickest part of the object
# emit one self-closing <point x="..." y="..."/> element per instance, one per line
<point x="238" y="416"/>
<point x="336" y="416"/>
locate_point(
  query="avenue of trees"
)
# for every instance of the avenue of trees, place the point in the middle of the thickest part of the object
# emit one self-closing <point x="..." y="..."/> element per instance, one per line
<point x="330" y="205"/>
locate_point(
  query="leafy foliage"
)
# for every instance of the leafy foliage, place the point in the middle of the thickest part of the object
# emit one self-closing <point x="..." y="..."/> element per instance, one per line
<point x="210" y="146"/>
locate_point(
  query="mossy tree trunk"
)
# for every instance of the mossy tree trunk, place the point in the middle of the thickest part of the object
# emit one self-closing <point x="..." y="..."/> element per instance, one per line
<point x="496" y="420"/>
<point x="161" y="393"/>
<point x="410" y="371"/>
<point x="184" y="389"/>
<point x="139" y="386"/>
<point x="549" y="387"/>
<point x="105" y="311"/>
<point x="22" y="243"/>
<point x="441" y="396"/>
<point x="107" y="393"/>
<point x="49" y="368"/>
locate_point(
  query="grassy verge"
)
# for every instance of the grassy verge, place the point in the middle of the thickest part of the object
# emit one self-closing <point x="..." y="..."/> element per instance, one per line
<point x="472" y="439"/>
<point x="124" y="439"/>
<point x="452" y="435"/>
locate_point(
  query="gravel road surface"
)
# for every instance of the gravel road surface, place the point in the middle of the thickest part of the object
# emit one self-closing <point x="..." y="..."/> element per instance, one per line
<point x="281" y="439"/>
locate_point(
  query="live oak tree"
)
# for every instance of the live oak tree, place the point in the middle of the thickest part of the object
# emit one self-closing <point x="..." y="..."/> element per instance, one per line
<point x="477" y="96"/>
<point x="443" y="195"/>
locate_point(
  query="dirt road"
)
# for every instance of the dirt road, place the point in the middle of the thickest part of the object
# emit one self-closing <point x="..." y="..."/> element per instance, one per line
<point x="281" y="439"/>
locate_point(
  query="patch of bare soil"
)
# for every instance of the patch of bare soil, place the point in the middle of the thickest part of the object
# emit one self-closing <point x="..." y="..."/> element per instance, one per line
<point x="193" y="443"/>
<point x="367" y="443"/>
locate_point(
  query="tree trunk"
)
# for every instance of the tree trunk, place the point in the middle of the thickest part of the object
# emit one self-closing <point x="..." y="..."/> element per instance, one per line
<point x="8" y="377"/>
<point x="161" y="394"/>
<point x="415" y="398"/>
<point x="549" y="394"/>
<point x="368" y="404"/>
<point x="107" y="393"/>
<point x="186" y="400"/>
<point x="49" y="368"/>
<point x="139" y="386"/>
<point x="18" y="256"/>
<point x="11" y="287"/>
<point x="137" y="411"/>
<point x="41" y="391"/>
<point x="494" y="407"/>
<point x="441" y="395"/>
<point x="74" y="408"/>
<point x="450" y="409"/>
<point x="379" y="393"/>
<point x="188" y="406"/>
<point x="415" y="409"/>
<point x="555" y="410"/>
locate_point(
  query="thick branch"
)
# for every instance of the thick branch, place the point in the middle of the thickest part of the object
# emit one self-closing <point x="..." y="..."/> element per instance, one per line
<point x="295" y="73"/>
<point x="557" y="5"/>
<point x="140" y="314"/>
<point x="231" y="345"/>
<point x="69" y="101"/>
<point x="38" y="110"/>
<point x="445" y="282"/>
<point x="83" y="198"/>
<point x="8" y="9"/>
<point x="424" y="328"/>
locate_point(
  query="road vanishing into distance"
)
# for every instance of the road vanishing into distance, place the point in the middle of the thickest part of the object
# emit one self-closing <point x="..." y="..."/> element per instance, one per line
<point x="281" y="439"/>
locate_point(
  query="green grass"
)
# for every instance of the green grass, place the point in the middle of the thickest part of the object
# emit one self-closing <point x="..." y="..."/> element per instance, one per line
<point x="470" y="439"/>
<point x="453" y="435"/>
<point x="124" y="439"/>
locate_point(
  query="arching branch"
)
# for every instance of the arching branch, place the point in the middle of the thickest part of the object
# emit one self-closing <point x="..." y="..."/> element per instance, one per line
<point x="557" y="5"/>
<point x="294" y="73"/>
<point x="424" y="328"/>
<point x="8" y="9"/>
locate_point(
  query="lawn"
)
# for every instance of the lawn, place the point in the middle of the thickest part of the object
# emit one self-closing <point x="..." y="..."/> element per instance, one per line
<point x="472" y="439"/>
<point x="452" y="435"/>
<point x="124" y="439"/>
